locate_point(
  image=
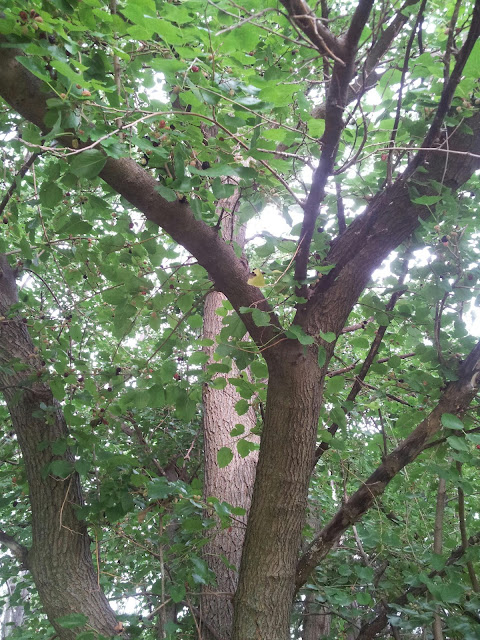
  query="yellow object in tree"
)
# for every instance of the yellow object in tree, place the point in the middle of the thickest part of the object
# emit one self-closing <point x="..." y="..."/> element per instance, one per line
<point x="256" y="278"/>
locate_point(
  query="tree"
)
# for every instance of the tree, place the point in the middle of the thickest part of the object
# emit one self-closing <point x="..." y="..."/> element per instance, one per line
<point x="362" y="126"/>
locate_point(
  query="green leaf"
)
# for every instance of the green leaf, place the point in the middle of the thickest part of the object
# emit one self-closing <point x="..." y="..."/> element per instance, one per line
<point x="177" y="592"/>
<point x="427" y="200"/>
<point x="322" y="356"/>
<point x="363" y="598"/>
<point x="165" y="192"/>
<point x="50" y="195"/>
<point x="261" y="318"/>
<point x="244" y="447"/>
<point x="61" y="468"/>
<point x="316" y="127"/>
<point x="159" y="489"/>
<point x="335" y="384"/>
<point x="58" y="388"/>
<point x="241" y="407"/>
<point x="88" y="164"/>
<point x="237" y="430"/>
<point x="199" y="357"/>
<point x="328" y="337"/>
<point x="72" y="620"/>
<point x="451" y="421"/>
<point x="458" y="443"/>
<point x="259" y="369"/>
<point x="296" y="332"/>
<point x="215" y="171"/>
<point x="473" y="437"/>
<point x="59" y="446"/>
<point x="224" y="457"/>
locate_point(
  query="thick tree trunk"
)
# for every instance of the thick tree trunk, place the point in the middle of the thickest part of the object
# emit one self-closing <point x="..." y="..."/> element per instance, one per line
<point x="234" y="483"/>
<point x="60" y="558"/>
<point x="265" y="592"/>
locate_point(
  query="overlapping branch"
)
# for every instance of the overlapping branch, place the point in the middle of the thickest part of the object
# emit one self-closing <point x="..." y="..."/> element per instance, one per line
<point x="24" y="92"/>
<point x="371" y="629"/>
<point x="336" y="102"/>
<point x="19" y="550"/>
<point x="387" y="222"/>
<point x="455" y="399"/>
<point x="318" y="34"/>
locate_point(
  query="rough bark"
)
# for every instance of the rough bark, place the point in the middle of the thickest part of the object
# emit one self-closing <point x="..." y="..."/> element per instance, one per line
<point x="273" y="538"/>
<point x="234" y="483"/>
<point x="317" y="620"/>
<point x="59" y="558"/>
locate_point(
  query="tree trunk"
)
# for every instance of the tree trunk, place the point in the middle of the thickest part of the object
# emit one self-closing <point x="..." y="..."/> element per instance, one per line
<point x="438" y="547"/>
<point x="234" y="483"/>
<point x="12" y="616"/>
<point x="60" y="558"/>
<point x="267" y="575"/>
<point x="317" y="620"/>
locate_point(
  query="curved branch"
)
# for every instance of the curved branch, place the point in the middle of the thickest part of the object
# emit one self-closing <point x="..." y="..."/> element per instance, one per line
<point x="318" y="34"/>
<point x="26" y="166"/>
<point x="24" y="92"/>
<point x="387" y="222"/>
<point x="455" y="399"/>
<point x="19" y="550"/>
<point x="367" y="77"/>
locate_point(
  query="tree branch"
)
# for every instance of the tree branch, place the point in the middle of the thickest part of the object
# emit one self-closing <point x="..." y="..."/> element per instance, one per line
<point x="387" y="222"/>
<point x="318" y="34"/>
<point x="455" y="399"/>
<point x="335" y="104"/>
<point x="371" y="629"/>
<point x="463" y="529"/>
<point x="26" y="166"/>
<point x="19" y="550"/>
<point x="24" y="92"/>
<point x="448" y="90"/>
<point x="374" y="347"/>
<point x="367" y="76"/>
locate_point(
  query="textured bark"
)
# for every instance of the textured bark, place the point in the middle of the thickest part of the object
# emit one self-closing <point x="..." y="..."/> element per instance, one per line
<point x="60" y="558"/>
<point x="317" y="620"/>
<point x="234" y="483"/>
<point x="265" y="591"/>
